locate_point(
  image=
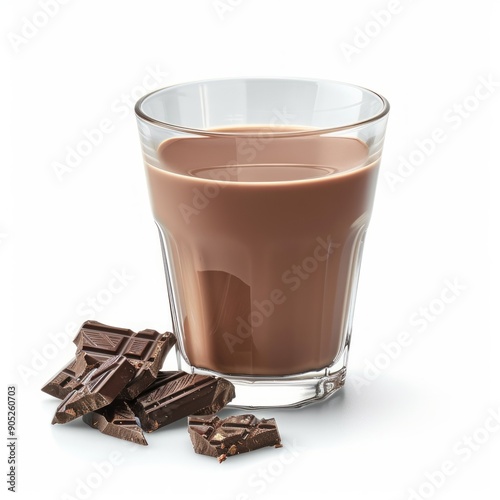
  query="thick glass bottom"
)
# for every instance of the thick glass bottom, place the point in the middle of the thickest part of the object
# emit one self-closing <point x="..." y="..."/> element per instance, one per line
<point x="291" y="391"/>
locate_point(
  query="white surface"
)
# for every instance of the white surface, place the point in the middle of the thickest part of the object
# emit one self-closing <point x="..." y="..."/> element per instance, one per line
<point x="61" y="241"/>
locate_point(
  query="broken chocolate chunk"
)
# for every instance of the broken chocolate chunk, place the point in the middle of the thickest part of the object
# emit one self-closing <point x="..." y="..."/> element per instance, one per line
<point x="146" y="350"/>
<point x="117" y="420"/>
<point x="98" y="389"/>
<point x="175" y="395"/>
<point x="69" y="377"/>
<point x="234" y="435"/>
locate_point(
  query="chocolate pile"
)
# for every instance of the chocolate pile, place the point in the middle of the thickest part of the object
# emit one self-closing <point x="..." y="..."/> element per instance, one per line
<point x="114" y="382"/>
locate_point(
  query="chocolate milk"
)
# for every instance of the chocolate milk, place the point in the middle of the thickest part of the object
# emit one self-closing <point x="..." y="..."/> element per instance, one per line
<point x="262" y="238"/>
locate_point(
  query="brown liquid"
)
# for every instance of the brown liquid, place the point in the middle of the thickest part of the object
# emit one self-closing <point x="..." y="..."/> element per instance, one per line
<point x="261" y="238"/>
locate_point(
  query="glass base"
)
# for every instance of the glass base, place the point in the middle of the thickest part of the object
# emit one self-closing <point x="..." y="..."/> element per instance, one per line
<point x="292" y="391"/>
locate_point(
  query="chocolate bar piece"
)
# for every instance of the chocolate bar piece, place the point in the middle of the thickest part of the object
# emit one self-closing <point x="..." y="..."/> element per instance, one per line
<point x="175" y="395"/>
<point x="118" y="420"/>
<point x="96" y="343"/>
<point x="69" y="377"/>
<point x="146" y="350"/>
<point x="234" y="435"/>
<point x="98" y="389"/>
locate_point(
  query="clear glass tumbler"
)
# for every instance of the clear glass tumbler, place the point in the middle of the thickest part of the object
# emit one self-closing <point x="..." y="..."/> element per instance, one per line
<point x="262" y="190"/>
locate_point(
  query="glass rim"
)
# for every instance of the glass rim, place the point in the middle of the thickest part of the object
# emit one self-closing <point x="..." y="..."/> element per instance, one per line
<point x="273" y="133"/>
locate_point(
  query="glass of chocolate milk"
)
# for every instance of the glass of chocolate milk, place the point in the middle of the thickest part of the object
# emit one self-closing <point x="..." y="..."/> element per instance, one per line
<point x="262" y="191"/>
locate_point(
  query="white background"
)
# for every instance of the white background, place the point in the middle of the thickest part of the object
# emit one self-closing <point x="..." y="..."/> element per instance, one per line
<point x="61" y="240"/>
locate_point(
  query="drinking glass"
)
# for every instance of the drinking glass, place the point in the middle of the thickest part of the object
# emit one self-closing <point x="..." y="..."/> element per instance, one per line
<point x="262" y="191"/>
